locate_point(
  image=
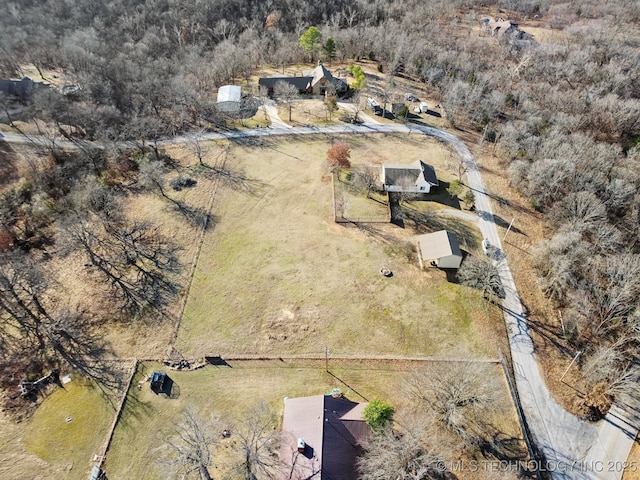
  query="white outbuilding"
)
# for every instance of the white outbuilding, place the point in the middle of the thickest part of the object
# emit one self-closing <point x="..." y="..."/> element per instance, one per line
<point x="229" y="97"/>
<point x="440" y="249"/>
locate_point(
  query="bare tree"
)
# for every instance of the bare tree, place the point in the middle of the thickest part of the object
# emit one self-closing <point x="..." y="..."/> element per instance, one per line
<point x="287" y="94"/>
<point x="581" y="210"/>
<point x="459" y="395"/>
<point x="152" y="177"/>
<point x="368" y="177"/>
<point x="188" y="450"/>
<point x="456" y="163"/>
<point x="196" y="145"/>
<point x="403" y="454"/>
<point x="27" y="323"/>
<point x="258" y="444"/>
<point x="481" y="275"/>
<point x="132" y="258"/>
<point x="263" y="98"/>
<point x="356" y="101"/>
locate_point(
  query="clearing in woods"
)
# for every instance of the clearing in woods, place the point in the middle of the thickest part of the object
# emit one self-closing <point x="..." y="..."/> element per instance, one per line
<point x="277" y="275"/>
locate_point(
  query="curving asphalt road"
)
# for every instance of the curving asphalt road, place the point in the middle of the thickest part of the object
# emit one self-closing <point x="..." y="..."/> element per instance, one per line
<point x="572" y="449"/>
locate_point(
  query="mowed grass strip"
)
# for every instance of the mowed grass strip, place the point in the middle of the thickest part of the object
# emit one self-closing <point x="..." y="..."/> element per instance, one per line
<point x="148" y="419"/>
<point x="70" y="426"/>
<point x="277" y="275"/>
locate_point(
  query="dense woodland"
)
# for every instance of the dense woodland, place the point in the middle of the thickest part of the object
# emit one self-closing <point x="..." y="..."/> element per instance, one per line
<point x="564" y="116"/>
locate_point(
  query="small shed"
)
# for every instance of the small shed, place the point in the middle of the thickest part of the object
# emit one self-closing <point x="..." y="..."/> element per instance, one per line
<point x="440" y="249"/>
<point x="157" y="381"/>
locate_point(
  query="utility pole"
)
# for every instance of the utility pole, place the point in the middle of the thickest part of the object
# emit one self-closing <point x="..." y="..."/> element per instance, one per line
<point x="326" y="359"/>
<point x="510" y="225"/>
<point x="572" y="361"/>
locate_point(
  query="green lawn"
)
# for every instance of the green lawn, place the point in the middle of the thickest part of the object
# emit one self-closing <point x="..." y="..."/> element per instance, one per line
<point x="70" y="427"/>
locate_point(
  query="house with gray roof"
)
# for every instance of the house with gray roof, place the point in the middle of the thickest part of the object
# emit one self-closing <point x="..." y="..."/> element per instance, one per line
<point x="417" y="177"/>
<point x="17" y="89"/>
<point x="314" y="81"/>
<point x="303" y="84"/>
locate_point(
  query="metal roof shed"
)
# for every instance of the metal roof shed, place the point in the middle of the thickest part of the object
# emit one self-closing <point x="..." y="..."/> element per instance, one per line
<point x="440" y="249"/>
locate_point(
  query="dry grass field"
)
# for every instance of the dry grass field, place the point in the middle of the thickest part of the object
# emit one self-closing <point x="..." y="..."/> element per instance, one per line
<point x="232" y="390"/>
<point x="277" y="275"/>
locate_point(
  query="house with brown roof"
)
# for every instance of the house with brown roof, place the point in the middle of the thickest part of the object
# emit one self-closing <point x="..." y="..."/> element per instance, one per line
<point x="505" y="31"/>
<point x="322" y="79"/>
<point x="417" y="177"/>
<point x="323" y="436"/>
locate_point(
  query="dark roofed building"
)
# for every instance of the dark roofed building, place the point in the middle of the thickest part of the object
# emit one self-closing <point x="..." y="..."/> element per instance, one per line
<point x="303" y="84"/>
<point x="417" y="177"/>
<point x="333" y="432"/>
<point x="20" y="89"/>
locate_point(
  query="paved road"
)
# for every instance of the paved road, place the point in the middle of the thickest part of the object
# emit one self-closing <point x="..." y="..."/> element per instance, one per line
<point x="573" y="449"/>
<point x="272" y="112"/>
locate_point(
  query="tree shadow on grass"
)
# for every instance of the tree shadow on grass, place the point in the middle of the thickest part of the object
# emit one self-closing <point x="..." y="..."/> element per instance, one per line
<point x="269" y="143"/>
<point x="135" y="409"/>
<point x="234" y="179"/>
<point x="550" y="335"/>
<point x="374" y="231"/>
<point x="505" y="448"/>
<point x="427" y="221"/>
<point x="501" y="222"/>
<point x="195" y="216"/>
<point x="503" y="201"/>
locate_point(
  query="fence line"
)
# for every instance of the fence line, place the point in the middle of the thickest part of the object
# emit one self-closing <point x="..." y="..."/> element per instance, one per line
<point x="382" y="358"/>
<point x="107" y="443"/>
<point x="533" y="453"/>
<point x="196" y="255"/>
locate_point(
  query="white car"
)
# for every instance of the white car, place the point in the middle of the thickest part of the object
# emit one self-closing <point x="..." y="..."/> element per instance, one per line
<point x="487" y="248"/>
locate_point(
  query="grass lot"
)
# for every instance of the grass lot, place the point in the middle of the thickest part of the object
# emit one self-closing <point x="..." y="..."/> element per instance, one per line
<point x="352" y="202"/>
<point x="307" y="111"/>
<point x="147" y="418"/>
<point x="68" y="446"/>
<point x="277" y="275"/>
